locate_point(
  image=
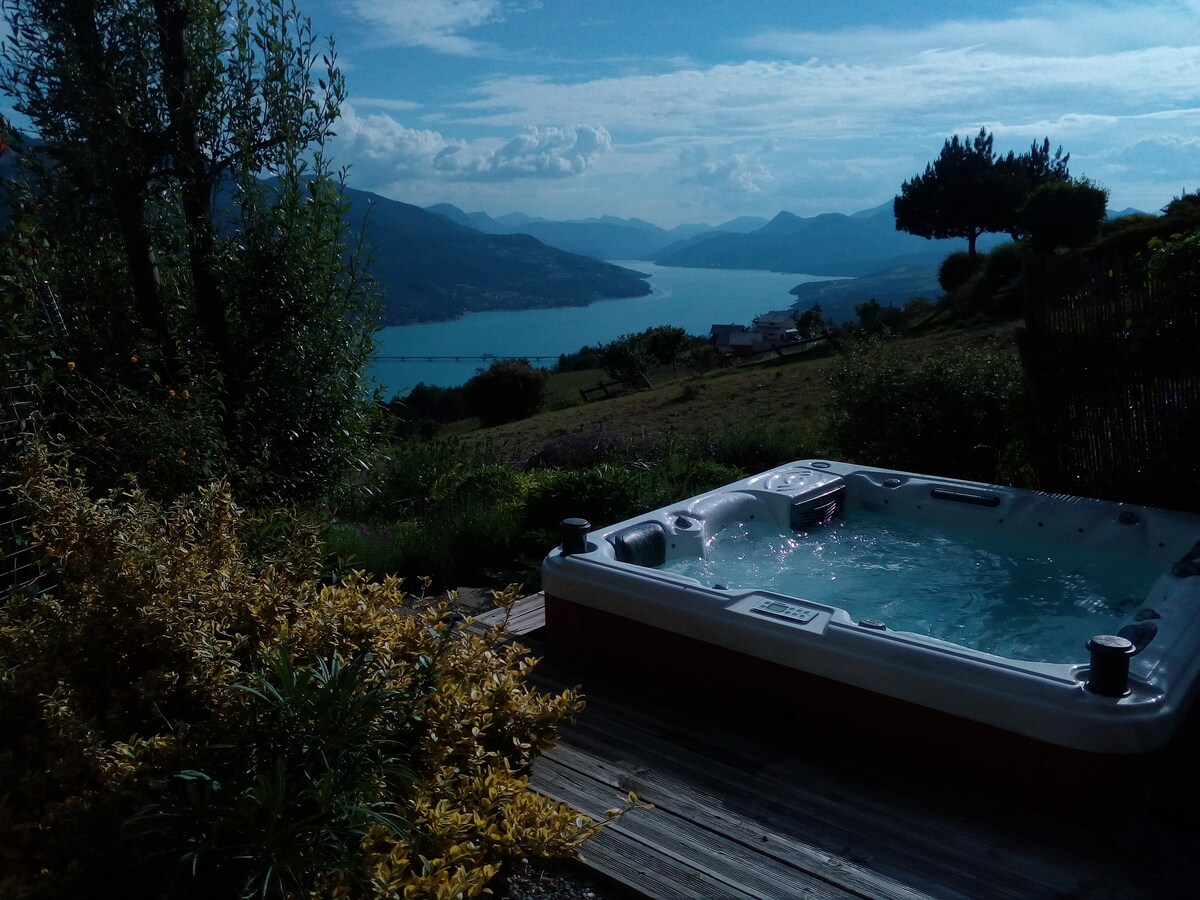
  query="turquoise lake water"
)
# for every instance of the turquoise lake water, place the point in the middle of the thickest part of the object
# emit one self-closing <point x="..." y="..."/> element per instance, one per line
<point x="692" y="299"/>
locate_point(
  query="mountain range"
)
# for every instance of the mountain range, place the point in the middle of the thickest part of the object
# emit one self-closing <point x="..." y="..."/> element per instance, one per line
<point x="440" y="262"/>
<point x="431" y="268"/>
<point x="880" y="261"/>
<point x="604" y="238"/>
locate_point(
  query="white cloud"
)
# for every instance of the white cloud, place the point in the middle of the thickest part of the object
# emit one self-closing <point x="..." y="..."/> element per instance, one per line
<point x="1158" y="156"/>
<point x="385" y="103"/>
<point x="742" y="173"/>
<point x="817" y="117"/>
<point x="434" y="24"/>
<point x="385" y="152"/>
<point x="1057" y="29"/>
<point x="535" y="152"/>
<point x="791" y="100"/>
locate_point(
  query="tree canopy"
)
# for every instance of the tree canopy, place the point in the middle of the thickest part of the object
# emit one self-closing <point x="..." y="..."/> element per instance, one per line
<point x="1063" y="213"/>
<point x="970" y="190"/>
<point x="183" y="273"/>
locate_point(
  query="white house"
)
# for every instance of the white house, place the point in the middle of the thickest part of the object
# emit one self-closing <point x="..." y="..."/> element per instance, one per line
<point x="770" y="330"/>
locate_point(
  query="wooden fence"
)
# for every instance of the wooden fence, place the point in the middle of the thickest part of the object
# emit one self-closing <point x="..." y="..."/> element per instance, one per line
<point x="1111" y="353"/>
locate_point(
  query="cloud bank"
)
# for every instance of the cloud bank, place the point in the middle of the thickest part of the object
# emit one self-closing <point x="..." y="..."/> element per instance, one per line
<point x="834" y="115"/>
<point x="387" y="152"/>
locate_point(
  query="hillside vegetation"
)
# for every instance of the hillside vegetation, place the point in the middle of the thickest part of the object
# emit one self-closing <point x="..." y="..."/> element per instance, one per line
<point x="469" y="505"/>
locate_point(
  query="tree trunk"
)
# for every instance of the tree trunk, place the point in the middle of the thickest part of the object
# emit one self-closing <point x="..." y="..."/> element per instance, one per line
<point x="126" y="196"/>
<point x="143" y="266"/>
<point x="197" y="185"/>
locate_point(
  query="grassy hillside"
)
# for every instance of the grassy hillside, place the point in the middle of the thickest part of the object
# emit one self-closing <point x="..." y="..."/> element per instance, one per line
<point x="782" y="398"/>
<point x="481" y="506"/>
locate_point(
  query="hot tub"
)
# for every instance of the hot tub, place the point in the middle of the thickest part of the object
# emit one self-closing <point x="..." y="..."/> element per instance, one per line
<point x="1120" y="682"/>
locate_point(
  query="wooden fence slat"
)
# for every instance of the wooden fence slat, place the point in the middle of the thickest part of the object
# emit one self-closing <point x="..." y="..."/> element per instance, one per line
<point x="1109" y="354"/>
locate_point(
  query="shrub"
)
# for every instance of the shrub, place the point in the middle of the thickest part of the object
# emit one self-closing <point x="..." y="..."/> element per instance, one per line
<point x="428" y="403"/>
<point x="702" y="357"/>
<point x="953" y="412"/>
<point x="679" y="475"/>
<point x="404" y="478"/>
<point x="627" y="360"/>
<point x="917" y="310"/>
<point x="180" y="720"/>
<point x="755" y="449"/>
<point x="956" y="269"/>
<point x="1003" y="264"/>
<point x="509" y="390"/>
<point x="1063" y="214"/>
<point x="605" y="493"/>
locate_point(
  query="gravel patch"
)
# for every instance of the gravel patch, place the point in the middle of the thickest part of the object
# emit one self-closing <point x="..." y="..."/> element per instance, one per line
<point x="539" y="879"/>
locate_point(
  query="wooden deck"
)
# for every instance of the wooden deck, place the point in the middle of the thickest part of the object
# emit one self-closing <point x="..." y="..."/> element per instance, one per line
<point x="747" y="808"/>
<point x="527" y="616"/>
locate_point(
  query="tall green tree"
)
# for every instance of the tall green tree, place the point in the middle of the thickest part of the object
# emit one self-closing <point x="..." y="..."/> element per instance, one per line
<point x="155" y="123"/>
<point x="969" y="190"/>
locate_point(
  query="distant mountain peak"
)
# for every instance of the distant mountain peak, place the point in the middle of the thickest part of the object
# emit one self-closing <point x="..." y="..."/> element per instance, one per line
<point x="784" y="221"/>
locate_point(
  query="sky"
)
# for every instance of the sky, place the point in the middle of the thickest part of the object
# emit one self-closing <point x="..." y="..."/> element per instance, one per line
<point x="704" y="110"/>
<point x="698" y="111"/>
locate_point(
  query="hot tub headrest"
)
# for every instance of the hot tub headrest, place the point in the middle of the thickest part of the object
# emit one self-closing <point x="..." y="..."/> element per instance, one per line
<point x="644" y="544"/>
<point x="721" y="509"/>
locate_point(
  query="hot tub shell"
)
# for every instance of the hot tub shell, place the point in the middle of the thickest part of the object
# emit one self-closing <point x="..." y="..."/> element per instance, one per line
<point x="611" y="601"/>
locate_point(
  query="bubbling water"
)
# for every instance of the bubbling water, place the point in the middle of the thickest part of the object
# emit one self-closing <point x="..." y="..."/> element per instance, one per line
<point x="1010" y="597"/>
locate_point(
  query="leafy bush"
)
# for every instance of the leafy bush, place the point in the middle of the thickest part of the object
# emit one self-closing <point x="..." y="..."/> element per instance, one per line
<point x="586" y="357"/>
<point x="609" y="493"/>
<point x="755" y="449"/>
<point x="605" y="493"/>
<point x="917" y="310"/>
<point x="1063" y="214"/>
<point x="952" y="412"/>
<point x="426" y="404"/>
<point x="1003" y="263"/>
<point x="702" y="357"/>
<point x="991" y="285"/>
<point x="627" y="360"/>
<point x="404" y="477"/>
<point x="956" y="269"/>
<point x="509" y="390"/>
<point x="665" y="344"/>
<point x="680" y="475"/>
<point x="492" y="524"/>
<point x="183" y="720"/>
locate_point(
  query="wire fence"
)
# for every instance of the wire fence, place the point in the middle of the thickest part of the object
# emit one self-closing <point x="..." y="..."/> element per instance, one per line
<point x="18" y="568"/>
<point x="19" y="408"/>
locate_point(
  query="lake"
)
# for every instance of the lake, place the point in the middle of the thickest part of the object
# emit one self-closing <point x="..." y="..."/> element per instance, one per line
<point x="692" y="299"/>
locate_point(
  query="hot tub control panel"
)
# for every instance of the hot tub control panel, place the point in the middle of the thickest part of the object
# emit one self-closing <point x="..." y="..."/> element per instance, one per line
<point x="780" y="610"/>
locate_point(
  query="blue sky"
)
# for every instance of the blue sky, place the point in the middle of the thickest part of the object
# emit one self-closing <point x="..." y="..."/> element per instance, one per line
<point x="702" y="110"/>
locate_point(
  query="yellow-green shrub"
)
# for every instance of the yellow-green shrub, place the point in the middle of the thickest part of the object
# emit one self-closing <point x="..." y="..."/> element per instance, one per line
<point x="167" y="692"/>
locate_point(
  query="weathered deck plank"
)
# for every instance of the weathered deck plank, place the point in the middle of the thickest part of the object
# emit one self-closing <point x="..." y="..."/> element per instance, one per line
<point x="711" y="813"/>
<point x="740" y="815"/>
<point x="527" y="616"/>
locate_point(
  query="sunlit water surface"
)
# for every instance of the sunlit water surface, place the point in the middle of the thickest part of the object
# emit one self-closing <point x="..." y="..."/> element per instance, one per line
<point x="1015" y="598"/>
